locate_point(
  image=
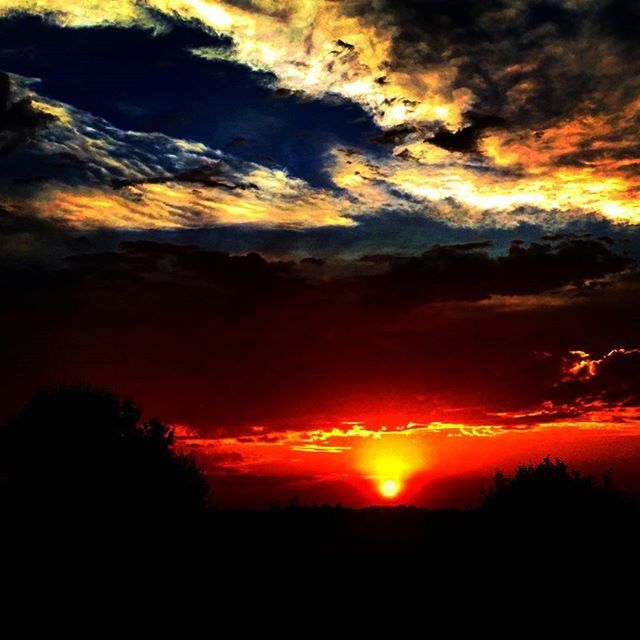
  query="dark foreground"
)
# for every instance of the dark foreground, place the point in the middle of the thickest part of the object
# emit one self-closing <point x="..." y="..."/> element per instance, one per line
<point x="106" y="530"/>
<point x="304" y="570"/>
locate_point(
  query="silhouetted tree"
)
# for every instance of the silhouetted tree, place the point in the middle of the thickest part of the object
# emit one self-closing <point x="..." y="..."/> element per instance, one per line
<point x="549" y="488"/>
<point x="80" y="450"/>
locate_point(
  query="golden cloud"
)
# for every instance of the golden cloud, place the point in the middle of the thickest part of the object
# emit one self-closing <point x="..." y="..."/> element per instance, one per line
<point x="580" y="163"/>
<point x="151" y="181"/>
<point x="177" y="205"/>
<point x="463" y="192"/>
<point x="310" y="45"/>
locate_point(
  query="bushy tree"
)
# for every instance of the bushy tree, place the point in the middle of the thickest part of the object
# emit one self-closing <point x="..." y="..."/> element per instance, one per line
<point x="549" y="488"/>
<point x="86" y="450"/>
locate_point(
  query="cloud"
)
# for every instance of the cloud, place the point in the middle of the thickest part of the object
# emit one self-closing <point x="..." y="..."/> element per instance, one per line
<point x="82" y="13"/>
<point x="560" y="78"/>
<point x="466" y="139"/>
<point x="237" y="280"/>
<point x="98" y="176"/>
<point x="29" y="239"/>
<point x="19" y="119"/>
<point x="584" y="392"/>
<point x="476" y="192"/>
<point x="226" y="342"/>
<point x="469" y="272"/>
<point x="83" y="170"/>
<point x="314" y="47"/>
<point x="610" y="381"/>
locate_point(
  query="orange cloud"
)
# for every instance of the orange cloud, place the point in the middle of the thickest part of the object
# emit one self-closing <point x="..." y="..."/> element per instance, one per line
<point x="173" y="205"/>
<point x="543" y="169"/>
<point x="313" y="46"/>
<point x="151" y="181"/>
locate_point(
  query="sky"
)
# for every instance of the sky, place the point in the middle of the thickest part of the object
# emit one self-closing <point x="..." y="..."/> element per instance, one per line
<point x="353" y="251"/>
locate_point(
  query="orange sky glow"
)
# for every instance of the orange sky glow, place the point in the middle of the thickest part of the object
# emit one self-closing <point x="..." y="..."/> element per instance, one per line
<point x="433" y="465"/>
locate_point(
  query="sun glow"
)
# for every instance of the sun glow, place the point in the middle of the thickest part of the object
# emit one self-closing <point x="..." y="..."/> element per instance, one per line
<point x="391" y="463"/>
<point x="389" y="488"/>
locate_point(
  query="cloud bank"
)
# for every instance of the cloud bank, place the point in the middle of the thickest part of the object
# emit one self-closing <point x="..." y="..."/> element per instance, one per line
<point x="492" y="113"/>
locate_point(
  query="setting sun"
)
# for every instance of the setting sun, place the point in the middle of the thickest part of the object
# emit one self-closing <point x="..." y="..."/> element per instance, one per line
<point x="389" y="488"/>
<point x="391" y="462"/>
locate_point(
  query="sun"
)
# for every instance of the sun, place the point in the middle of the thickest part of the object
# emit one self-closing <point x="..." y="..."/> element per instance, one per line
<point x="389" y="488"/>
<point x="390" y="462"/>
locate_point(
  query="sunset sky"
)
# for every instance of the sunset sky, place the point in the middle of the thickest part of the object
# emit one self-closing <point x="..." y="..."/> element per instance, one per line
<point x="355" y="251"/>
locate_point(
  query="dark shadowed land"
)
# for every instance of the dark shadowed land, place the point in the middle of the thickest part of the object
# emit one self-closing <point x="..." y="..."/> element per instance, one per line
<point x="107" y="529"/>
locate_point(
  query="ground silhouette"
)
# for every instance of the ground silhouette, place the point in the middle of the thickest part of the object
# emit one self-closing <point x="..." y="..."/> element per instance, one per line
<point x="106" y="530"/>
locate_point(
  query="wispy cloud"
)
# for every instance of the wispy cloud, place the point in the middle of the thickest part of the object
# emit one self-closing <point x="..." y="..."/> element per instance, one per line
<point x="96" y="175"/>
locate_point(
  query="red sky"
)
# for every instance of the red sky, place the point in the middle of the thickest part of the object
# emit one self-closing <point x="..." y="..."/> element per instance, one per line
<point x="323" y="381"/>
<point x="439" y="466"/>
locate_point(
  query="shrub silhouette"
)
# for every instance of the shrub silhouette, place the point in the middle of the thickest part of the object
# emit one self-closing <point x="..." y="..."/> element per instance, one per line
<point x="84" y="449"/>
<point x="549" y="488"/>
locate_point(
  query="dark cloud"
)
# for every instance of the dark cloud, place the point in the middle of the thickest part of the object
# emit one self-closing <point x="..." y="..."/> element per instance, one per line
<point x="215" y="175"/>
<point x="473" y="246"/>
<point x="469" y="272"/>
<point x="466" y="139"/>
<point x="347" y="46"/>
<point x="314" y="262"/>
<point x="612" y="380"/>
<point x="390" y="232"/>
<point x="530" y="62"/>
<point x="394" y="135"/>
<point x="19" y="120"/>
<point x="390" y="259"/>
<point x="618" y="18"/>
<point x="26" y="239"/>
<point x="236" y="281"/>
<point x="460" y="272"/>
<point x="222" y="342"/>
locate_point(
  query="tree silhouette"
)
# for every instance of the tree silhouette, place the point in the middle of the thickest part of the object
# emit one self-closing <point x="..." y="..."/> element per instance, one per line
<point x="549" y="488"/>
<point x="84" y="450"/>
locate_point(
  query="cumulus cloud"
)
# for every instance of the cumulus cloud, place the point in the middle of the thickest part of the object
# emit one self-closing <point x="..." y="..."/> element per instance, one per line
<point x="611" y="380"/>
<point x="497" y="113"/>
<point x="584" y="391"/>
<point x="315" y="47"/>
